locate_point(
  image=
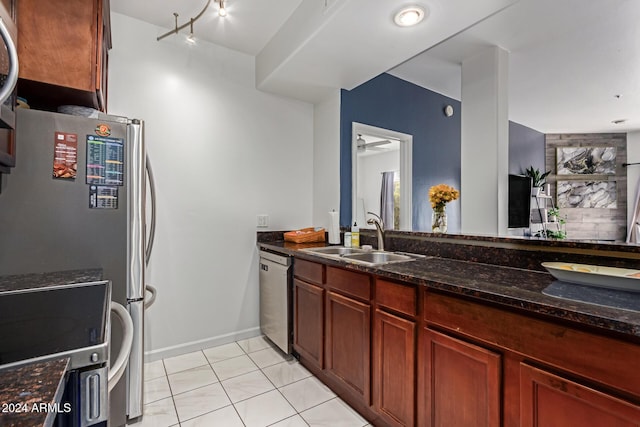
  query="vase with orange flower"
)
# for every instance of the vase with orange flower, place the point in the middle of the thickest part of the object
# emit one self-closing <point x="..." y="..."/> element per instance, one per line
<point x="439" y="196"/>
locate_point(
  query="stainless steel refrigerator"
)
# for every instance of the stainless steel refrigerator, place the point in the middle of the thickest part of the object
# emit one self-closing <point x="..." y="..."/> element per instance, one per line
<point x="76" y="199"/>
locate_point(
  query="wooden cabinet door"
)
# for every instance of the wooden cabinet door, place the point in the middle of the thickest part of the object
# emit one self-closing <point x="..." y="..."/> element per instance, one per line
<point x="462" y="383"/>
<point x="348" y="343"/>
<point x="394" y="347"/>
<point x="548" y="400"/>
<point x="63" y="48"/>
<point x="308" y="325"/>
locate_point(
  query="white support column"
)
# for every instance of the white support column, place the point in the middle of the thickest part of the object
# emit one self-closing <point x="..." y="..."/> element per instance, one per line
<point x="485" y="143"/>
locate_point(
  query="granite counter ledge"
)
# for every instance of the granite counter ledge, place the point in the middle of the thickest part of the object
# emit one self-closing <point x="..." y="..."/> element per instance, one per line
<point x="510" y="287"/>
<point x="22" y="387"/>
<point x="17" y="282"/>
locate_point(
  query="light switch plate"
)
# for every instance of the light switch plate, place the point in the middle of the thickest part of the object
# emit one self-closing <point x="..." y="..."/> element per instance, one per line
<point x="263" y="220"/>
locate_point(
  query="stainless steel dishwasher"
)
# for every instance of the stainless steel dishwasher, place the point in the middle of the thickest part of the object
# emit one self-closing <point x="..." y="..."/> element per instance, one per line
<point x="275" y="298"/>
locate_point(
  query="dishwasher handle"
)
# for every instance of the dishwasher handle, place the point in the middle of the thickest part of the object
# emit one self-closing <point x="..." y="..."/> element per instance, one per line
<point x="277" y="258"/>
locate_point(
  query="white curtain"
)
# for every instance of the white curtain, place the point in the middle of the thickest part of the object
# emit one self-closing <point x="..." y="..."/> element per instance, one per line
<point x="386" y="200"/>
<point x="633" y="229"/>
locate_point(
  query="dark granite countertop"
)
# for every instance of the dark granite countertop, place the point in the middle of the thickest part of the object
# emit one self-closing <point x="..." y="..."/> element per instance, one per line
<point x="24" y="389"/>
<point x="512" y="287"/>
<point x="41" y="280"/>
<point x="36" y="383"/>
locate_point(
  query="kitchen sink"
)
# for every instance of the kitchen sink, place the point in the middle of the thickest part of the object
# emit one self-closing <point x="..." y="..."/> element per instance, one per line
<point x="378" y="257"/>
<point x="362" y="256"/>
<point x="335" y="250"/>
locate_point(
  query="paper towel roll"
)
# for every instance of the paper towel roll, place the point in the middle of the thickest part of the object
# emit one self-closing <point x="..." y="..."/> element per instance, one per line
<point x="334" y="228"/>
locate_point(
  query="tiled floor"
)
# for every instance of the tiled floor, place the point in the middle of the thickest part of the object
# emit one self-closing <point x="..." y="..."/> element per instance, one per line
<point x="246" y="383"/>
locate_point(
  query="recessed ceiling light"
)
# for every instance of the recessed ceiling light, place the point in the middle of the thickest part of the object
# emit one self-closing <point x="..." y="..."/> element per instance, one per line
<point x="409" y="16"/>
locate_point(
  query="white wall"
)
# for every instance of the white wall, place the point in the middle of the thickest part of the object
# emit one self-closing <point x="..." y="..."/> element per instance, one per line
<point x="485" y="143"/>
<point x="326" y="159"/>
<point x="222" y="153"/>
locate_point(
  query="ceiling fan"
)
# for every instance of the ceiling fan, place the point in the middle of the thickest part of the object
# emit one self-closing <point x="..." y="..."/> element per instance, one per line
<point x="363" y="145"/>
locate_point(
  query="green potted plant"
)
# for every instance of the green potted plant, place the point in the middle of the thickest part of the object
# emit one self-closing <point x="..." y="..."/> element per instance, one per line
<point x="558" y="230"/>
<point x="554" y="215"/>
<point x="538" y="179"/>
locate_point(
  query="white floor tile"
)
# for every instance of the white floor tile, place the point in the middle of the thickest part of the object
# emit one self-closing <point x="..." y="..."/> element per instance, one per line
<point x="295" y="421"/>
<point x="223" y="352"/>
<point x="264" y="409"/>
<point x="200" y="401"/>
<point x="267" y="357"/>
<point x="254" y="344"/>
<point x="248" y="385"/>
<point x="286" y="372"/>
<point x="233" y="367"/>
<point x="201" y="386"/>
<point x="225" y="417"/>
<point x="159" y="414"/>
<point x="153" y="370"/>
<point x="192" y="379"/>
<point x="306" y="393"/>
<point x="184" y="362"/>
<point x="156" y="389"/>
<point x="334" y="413"/>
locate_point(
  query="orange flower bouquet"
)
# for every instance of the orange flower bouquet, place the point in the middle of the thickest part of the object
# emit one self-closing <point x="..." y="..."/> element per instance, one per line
<point x="439" y="196"/>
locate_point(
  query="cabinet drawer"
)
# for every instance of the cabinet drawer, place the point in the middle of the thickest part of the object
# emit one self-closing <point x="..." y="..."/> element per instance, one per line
<point x="309" y="271"/>
<point x="348" y="282"/>
<point x="402" y="298"/>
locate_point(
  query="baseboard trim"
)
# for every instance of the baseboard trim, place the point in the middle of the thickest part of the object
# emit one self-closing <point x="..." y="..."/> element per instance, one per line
<point x="177" y="350"/>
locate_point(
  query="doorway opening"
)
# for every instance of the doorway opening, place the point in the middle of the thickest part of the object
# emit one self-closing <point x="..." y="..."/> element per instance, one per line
<point x="381" y="176"/>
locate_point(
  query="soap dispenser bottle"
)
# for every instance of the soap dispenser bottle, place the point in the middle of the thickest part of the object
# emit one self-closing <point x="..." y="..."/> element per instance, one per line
<point x="355" y="235"/>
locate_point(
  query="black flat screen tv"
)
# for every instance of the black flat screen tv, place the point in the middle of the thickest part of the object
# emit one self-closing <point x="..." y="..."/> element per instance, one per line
<point x="519" y="201"/>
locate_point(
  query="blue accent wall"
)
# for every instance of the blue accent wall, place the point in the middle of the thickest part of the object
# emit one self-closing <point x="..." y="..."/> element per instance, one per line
<point x="526" y="148"/>
<point x="392" y="103"/>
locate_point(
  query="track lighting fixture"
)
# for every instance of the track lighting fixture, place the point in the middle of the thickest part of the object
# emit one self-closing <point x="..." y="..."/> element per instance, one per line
<point x="222" y="12"/>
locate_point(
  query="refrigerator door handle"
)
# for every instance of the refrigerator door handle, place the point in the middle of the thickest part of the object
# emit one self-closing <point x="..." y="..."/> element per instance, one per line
<point x="135" y="372"/>
<point x="118" y="366"/>
<point x="136" y="211"/>
<point x="12" y="75"/>
<point x="153" y="291"/>
<point x="152" y="194"/>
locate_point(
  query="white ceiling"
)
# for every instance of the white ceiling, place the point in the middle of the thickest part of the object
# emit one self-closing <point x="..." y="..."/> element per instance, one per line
<point x="250" y="24"/>
<point x="567" y="61"/>
<point x="389" y="144"/>
<point x="306" y="49"/>
<point x="567" y="58"/>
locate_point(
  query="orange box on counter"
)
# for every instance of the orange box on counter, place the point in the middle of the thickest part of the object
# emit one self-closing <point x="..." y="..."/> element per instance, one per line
<point x="305" y="235"/>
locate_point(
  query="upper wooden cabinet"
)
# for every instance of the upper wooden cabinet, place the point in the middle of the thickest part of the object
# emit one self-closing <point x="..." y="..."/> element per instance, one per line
<point x="63" y="52"/>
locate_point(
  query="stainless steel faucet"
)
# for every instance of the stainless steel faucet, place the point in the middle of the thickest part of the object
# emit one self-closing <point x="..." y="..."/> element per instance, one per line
<point x="377" y="221"/>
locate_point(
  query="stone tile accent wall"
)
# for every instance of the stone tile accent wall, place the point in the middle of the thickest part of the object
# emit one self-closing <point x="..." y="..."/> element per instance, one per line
<point x="592" y="223"/>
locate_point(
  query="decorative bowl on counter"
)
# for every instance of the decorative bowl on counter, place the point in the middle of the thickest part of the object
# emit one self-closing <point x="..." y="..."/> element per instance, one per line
<point x="595" y="275"/>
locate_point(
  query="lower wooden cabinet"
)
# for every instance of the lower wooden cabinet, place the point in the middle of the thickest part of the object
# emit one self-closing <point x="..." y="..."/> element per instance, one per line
<point x="394" y="350"/>
<point x="549" y="400"/>
<point x="348" y="343"/>
<point x="408" y="355"/>
<point x="461" y="383"/>
<point x="308" y="325"/>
